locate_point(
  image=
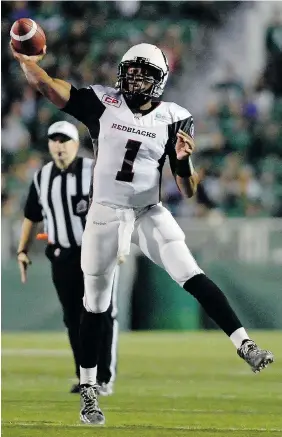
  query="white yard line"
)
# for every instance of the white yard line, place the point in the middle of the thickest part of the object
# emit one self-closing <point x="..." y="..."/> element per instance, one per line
<point x="186" y="410"/>
<point x="188" y="428"/>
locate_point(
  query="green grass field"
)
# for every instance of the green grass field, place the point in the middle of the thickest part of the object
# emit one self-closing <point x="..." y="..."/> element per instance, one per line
<point x="169" y="384"/>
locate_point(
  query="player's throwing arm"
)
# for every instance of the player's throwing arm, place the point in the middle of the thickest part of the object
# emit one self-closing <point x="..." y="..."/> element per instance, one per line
<point x="56" y="90"/>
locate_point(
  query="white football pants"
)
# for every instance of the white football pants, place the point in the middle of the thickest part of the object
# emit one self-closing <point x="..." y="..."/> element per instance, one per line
<point x="107" y="237"/>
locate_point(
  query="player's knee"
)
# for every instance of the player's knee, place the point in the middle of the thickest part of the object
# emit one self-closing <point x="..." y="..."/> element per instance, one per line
<point x="96" y="303"/>
<point x="186" y="280"/>
<point x="97" y="293"/>
<point x="179" y="262"/>
<point x="95" y="306"/>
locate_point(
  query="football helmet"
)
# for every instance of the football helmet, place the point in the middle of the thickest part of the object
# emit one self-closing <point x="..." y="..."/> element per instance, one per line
<point x="142" y="73"/>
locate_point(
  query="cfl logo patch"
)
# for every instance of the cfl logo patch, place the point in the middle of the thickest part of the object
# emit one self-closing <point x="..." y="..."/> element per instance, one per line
<point x="109" y="100"/>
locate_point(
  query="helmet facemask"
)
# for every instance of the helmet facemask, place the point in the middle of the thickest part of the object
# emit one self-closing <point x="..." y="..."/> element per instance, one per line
<point x="139" y="81"/>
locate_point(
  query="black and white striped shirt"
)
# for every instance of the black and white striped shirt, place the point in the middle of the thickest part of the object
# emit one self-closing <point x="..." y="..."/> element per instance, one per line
<point x="61" y="199"/>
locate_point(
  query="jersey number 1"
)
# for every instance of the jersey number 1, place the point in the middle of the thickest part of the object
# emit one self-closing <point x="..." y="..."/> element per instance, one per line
<point x="126" y="174"/>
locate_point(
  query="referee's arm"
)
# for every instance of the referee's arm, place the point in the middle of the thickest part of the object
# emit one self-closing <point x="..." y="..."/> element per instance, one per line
<point x="32" y="216"/>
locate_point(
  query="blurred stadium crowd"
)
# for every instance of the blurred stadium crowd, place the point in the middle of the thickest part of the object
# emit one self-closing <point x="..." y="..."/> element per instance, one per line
<point x="238" y="136"/>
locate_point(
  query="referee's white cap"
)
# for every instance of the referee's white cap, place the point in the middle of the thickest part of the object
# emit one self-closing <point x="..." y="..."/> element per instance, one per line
<point x="65" y="128"/>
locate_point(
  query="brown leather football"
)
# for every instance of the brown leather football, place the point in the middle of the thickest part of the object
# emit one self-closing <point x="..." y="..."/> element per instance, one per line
<point x="27" y="37"/>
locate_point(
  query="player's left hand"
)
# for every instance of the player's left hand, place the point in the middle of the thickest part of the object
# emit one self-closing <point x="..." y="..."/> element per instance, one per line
<point x="184" y="145"/>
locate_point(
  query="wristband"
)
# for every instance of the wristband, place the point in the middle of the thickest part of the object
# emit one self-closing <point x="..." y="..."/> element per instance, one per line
<point x="22" y="251"/>
<point x="184" y="168"/>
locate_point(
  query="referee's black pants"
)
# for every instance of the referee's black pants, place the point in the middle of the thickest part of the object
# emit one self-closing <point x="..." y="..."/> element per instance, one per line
<point x="68" y="280"/>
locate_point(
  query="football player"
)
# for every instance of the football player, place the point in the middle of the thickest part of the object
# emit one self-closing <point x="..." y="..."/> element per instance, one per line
<point x="136" y="131"/>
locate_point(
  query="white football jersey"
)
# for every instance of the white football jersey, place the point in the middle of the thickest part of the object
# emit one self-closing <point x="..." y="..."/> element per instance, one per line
<point x="130" y="148"/>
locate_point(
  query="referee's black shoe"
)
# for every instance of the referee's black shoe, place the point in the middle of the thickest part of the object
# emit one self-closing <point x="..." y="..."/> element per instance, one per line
<point x="75" y="388"/>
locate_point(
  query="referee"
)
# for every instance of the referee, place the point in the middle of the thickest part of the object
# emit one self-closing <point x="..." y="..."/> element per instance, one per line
<point x="59" y="196"/>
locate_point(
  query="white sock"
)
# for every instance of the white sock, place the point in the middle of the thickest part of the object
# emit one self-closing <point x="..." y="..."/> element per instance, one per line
<point x="88" y="376"/>
<point x="238" y="336"/>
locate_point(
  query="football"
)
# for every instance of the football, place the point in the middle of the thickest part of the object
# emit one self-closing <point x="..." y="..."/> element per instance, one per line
<point x="27" y="37"/>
